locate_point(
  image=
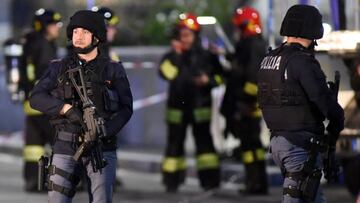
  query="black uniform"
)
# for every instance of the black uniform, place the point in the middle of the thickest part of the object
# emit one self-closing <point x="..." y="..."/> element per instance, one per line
<point x="108" y="88"/>
<point x="53" y="91"/>
<point x="38" y="52"/>
<point x="190" y="104"/>
<point x="295" y="100"/>
<point x="241" y="111"/>
<point x="293" y="93"/>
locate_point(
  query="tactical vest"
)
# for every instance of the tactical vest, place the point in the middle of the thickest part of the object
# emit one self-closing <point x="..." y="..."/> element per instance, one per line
<point x="99" y="91"/>
<point x="284" y="103"/>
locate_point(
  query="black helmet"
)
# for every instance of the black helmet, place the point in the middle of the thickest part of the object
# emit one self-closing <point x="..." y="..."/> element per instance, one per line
<point x="89" y="20"/>
<point x="302" y="21"/>
<point x="44" y="17"/>
<point x="108" y="14"/>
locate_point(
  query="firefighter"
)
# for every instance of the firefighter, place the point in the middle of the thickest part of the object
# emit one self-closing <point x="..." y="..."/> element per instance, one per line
<point x="39" y="49"/>
<point x="111" y="21"/>
<point x="191" y="72"/>
<point x="239" y="105"/>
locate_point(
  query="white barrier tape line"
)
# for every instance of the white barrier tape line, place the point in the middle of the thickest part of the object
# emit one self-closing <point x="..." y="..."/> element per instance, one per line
<point x="148" y="101"/>
<point x="145" y="65"/>
<point x="6" y="158"/>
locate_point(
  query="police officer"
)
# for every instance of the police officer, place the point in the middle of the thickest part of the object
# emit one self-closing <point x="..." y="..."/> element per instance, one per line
<point x="55" y="95"/>
<point x="295" y="100"/>
<point x="39" y="48"/>
<point x="239" y="105"/>
<point x="112" y="21"/>
<point x="191" y="72"/>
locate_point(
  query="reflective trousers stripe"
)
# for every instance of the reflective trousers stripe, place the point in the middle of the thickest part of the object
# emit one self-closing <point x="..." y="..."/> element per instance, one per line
<point x="207" y="161"/>
<point x="173" y="164"/>
<point x="32" y="153"/>
<point x="251" y="156"/>
<point x="202" y="114"/>
<point x="174" y="116"/>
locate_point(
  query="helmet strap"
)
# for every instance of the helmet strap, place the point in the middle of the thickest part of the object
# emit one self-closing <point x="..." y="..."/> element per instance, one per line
<point x="312" y="45"/>
<point x="94" y="43"/>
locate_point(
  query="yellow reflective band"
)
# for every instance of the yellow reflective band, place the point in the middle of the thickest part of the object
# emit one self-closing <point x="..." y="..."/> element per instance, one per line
<point x="251" y="88"/>
<point x="260" y="154"/>
<point x="30" y="72"/>
<point x="30" y="111"/>
<point x="202" y="114"/>
<point x="57" y="16"/>
<point x="32" y="153"/>
<point x="173" y="164"/>
<point x="37" y="26"/>
<point x="114" y="20"/>
<point x="174" y="116"/>
<point x="169" y="70"/>
<point x="114" y="57"/>
<point x="248" y="157"/>
<point x="257" y="113"/>
<point x="219" y="80"/>
<point x="207" y="161"/>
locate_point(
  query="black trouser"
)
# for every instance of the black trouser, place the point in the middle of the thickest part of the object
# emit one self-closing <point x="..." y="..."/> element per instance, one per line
<point x="174" y="164"/>
<point x="38" y="132"/>
<point x="251" y="152"/>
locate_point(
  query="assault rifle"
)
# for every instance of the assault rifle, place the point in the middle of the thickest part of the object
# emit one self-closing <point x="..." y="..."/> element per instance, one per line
<point x="331" y="167"/>
<point x="93" y="128"/>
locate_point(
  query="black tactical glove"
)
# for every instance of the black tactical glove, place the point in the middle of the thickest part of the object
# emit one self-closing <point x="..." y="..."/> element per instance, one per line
<point x="75" y="116"/>
<point x="334" y="128"/>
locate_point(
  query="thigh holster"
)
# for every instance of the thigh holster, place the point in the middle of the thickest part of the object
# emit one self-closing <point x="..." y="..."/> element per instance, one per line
<point x="70" y="192"/>
<point x="307" y="185"/>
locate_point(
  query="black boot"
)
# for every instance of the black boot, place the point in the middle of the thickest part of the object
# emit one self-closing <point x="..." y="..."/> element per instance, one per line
<point x="256" y="179"/>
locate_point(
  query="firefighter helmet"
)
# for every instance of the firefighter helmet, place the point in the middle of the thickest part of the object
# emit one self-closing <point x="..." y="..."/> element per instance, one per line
<point x="108" y="14"/>
<point x="188" y="20"/>
<point x="248" y="20"/>
<point x="44" y="17"/>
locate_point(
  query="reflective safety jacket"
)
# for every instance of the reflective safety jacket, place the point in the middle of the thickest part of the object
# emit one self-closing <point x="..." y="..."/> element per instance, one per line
<point x="241" y="81"/>
<point x="182" y="69"/>
<point x="38" y="52"/>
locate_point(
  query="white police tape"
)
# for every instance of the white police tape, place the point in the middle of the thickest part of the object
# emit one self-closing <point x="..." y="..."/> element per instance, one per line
<point x="148" y="101"/>
<point x="138" y="65"/>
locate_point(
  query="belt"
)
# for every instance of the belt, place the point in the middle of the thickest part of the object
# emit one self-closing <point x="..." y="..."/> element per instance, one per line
<point x="68" y="136"/>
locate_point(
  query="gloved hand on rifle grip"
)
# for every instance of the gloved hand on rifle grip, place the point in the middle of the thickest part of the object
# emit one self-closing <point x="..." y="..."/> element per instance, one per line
<point x="75" y="116"/>
<point x="334" y="128"/>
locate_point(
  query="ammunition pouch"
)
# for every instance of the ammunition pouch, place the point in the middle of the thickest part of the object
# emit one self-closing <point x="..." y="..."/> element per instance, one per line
<point x="111" y="100"/>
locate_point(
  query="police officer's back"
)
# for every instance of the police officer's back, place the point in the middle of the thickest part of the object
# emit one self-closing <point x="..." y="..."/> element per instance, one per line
<point x="295" y="100"/>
